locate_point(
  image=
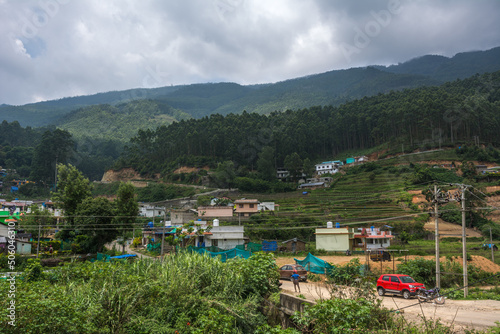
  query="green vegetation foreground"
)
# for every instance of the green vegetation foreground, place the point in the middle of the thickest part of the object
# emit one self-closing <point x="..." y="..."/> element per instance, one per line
<point x="186" y="293"/>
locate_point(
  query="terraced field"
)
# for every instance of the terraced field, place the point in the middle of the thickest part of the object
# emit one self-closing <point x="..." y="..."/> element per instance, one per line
<point x="365" y="198"/>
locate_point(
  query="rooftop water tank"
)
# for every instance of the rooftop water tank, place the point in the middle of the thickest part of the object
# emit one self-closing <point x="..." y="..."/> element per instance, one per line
<point x="216" y="222"/>
<point x="329" y="225"/>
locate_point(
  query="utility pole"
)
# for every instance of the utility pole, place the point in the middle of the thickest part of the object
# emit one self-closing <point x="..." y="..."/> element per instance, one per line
<point x="491" y="247"/>
<point x="55" y="176"/>
<point x="163" y="234"/>
<point x="38" y="244"/>
<point x="464" y="242"/>
<point x="438" y="270"/>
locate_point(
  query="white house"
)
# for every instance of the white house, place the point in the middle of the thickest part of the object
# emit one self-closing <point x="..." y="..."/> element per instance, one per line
<point x="372" y="238"/>
<point x="225" y="237"/>
<point x="282" y="173"/>
<point x="266" y="206"/>
<point x="151" y="211"/>
<point x="330" y="167"/>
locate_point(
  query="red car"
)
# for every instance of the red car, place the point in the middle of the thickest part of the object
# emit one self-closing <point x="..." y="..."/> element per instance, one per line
<point x="287" y="270"/>
<point x="402" y="285"/>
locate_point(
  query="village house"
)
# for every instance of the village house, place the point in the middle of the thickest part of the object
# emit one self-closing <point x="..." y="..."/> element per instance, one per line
<point x="151" y="210"/>
<point x="294" y="245"/>
<point x="313" y="185"/>
<point x="246" y="207"/>
<point x="282" y="173"/>
<point x="371" y="238"/>
<point x="225" y="237"/>
<point x="338" y="239"/>
<point x="181" y="217"/>
<point x="267" y="206"/>
<point x="153" y="231"/>
<point x="328" y="167"/>
<point x="215" y="211"/>
<point x="16" y="206"/>
<point x="347" y="238"/>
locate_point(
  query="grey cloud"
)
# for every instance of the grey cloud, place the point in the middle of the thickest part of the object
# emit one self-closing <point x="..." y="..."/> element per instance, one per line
<point x="83" y="47"/>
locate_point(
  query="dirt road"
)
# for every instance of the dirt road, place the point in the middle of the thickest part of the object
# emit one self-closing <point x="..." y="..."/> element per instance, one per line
<point x="471" y="314"/>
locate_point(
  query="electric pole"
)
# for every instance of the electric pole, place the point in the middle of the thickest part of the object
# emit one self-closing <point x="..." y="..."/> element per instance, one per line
<point x="491" y="247"/>
<point x="38" y="244"/>
<point x="464" y="242"/>
<point x="163" y="233"/>
<point x="438" y="270"/>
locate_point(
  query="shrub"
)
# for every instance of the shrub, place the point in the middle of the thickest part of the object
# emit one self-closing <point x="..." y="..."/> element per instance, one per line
<point x="422" y="270"/>
<point x="33" y="271"/>
<point x="346" y="274"/>
<point x="341" y="316"/>
<point x="137" y="242"/>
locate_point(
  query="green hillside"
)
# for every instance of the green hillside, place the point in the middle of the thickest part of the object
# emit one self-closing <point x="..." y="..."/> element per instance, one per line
<point x="119" y="122"/>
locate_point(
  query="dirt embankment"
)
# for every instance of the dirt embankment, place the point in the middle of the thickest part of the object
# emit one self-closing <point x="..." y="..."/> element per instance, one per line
<point x="450" y="230"/>
<point x="125" y="175"/>
<point x="129" y="174"/>
<point x="187" y="170"/>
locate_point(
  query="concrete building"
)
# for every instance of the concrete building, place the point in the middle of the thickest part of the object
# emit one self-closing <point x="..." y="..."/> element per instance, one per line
<point x="246" y="207"/>
<point x="338" y="239"/>
<point x="348" y="238"/>
<point x="225" y="237"/>
<point x="267" y="206"/>
<point x="371" y="238"/>
<point x="330" y="167"/>
<point x="215" y="211"/>
<point x="181" y="217"/>
<point x="146" y="210"/>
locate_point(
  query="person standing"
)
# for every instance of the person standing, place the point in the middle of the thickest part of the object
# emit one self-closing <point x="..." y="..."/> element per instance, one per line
<point x="295" y="279"/>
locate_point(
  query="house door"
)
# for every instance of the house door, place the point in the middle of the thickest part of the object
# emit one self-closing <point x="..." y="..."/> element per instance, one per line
<point x="294" y="246"/>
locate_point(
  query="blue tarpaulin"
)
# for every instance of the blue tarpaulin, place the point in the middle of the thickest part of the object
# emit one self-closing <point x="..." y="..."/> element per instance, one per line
<point x="269" y="246"/>
<point x="123" y="256"/>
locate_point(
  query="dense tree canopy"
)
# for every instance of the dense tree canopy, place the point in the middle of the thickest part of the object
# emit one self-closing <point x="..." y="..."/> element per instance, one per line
<point x="450" y="114"/>
<point x="55" y="147"/>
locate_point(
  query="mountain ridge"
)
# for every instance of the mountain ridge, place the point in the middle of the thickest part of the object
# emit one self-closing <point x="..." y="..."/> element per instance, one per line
<point x="329" y="88"/>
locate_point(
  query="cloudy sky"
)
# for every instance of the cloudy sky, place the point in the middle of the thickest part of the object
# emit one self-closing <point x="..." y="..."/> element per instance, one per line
<point x="56" y="48"/>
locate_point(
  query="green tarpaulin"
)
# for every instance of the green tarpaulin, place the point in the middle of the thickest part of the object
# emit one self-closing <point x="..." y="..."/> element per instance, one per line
<point x="224" y="255"/>
<point x="251" y="246"/>
<point x="315" y="265"/>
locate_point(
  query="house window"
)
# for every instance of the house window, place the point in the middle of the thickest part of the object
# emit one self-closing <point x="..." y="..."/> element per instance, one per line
<point x="251" y="206"/>
<point x="240" y="206"/>
<point x="215" y="242"/>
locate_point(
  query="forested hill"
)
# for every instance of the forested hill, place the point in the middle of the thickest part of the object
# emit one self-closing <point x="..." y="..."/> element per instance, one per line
<point x="330" y="88"/>
<point x="119" y="122"/>
<point x="426" y="117"/>
<point x="461" y="66"/>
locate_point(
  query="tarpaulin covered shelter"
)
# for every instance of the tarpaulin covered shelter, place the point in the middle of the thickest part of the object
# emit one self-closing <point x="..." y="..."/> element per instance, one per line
<point x="315" y="265"/>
